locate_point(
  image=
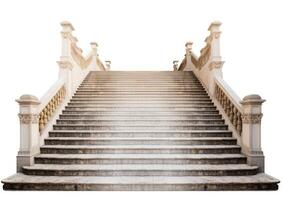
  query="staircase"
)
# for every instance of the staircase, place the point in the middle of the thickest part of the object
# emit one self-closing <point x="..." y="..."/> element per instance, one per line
<point x="140" y="131"/>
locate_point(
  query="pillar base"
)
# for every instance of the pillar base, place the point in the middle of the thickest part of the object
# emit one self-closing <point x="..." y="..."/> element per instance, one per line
<point x="24" y="159"/>
<point x="256" y="159"/>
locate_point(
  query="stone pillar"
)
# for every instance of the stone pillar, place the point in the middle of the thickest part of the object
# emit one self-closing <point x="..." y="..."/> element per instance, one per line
<point x="175" y="65"/>
<point x="189" y="46"/>
<point x="215" y="32"/>
<point x="216" y="63"/>
<point x="65" y="63"/>
<point x="251" y="133"/>
<point x="29" y="130"/>
<point x="108" y="65"/>
<point x="94" y="47"/>
<point x="66" y="33"/>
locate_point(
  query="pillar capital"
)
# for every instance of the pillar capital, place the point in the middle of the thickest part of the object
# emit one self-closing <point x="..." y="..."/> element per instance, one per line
<point x="214" y="26"/>
<point x="189" y="46"/>
<point x="28" y="99"/>
<point x="93" y="45"/>
<point x="67" y="26"/>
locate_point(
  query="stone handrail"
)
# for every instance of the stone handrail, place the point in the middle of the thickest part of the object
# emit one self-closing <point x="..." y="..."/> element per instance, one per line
<point x="38" y="116"/>
<point x="242" y="116"/>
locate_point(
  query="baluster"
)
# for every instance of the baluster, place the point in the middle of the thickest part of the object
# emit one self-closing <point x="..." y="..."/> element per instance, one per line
<point x="239" y="122"/>
<point x="231" y="117"/>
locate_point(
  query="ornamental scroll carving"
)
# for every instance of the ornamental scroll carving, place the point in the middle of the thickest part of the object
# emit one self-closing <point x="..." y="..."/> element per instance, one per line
<point x="251" y="118"/>
<point x="204" y="56"/>
<point x="47" y="112"/>
<point x="100" y="64"/>
<point x="28" y="118"/>
<point x="234" y="115"/>
<point x="183" y="64"/>
<point x="78" y="57"/>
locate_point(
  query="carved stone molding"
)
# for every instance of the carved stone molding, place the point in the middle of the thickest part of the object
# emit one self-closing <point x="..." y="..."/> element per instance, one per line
<point x="29" y="118"/>
<point x="65" y="64"/>
<point x="216" y="35"/>
<point x="215" y="64"/>
<point x="66" y="34"/>
<point x="251" y="118"/>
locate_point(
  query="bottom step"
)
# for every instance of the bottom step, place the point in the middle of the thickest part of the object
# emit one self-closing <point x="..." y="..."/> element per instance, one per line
<point x="135" y="183"/>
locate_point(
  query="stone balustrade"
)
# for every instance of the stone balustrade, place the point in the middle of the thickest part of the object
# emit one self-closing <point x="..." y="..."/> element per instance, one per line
<point x="38" y="116"/>
<point x="49" y="110"/>
<point x="233" y="113"/>
<point x="242" y="116"/>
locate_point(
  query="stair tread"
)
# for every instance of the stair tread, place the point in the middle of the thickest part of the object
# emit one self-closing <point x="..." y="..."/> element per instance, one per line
<point x="144" y="131"/>
<point x="141" y="156"/>
<point x="252" y="179"/>
<point x="142" y="138"/>
<point x="140" y="167"/>
<point x="141" y="146"/>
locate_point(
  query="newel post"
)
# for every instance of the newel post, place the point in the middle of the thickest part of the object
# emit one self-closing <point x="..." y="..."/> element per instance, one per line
<point x="29" y="130"/>
<point x="216" y="63"/>
<point x="95" y="64"/>
<point x="189" y="46"/>
<point x="108" y="65"/>
<point x="251" y="132"/>
<point x="65" y="63"/>
<point x="175" y="65"/>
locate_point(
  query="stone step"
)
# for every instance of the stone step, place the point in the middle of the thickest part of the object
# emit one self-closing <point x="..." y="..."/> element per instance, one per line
<point x="144" y="92"/>
<point x="135" y="89"/>
<point x="141" y="86"/>
<point x="139" y="100"/>
<point x="138" y="183"/>
<point x="140" y="149"/>
<point x="136" y="133"/>
<point x="141" y="103"/>
<point x="139" y="141"/>
<point x="171" y="106"/>
<point x="141" y="112"/>
<point x="140" y="170"/>
<point x="142" y="96"/>
<point x="136" y="122"/>
<point x="149" y="108"/>
<point x="138" y="116"/>
<point x="114" y="159"/>
<point x="157" y="127"/>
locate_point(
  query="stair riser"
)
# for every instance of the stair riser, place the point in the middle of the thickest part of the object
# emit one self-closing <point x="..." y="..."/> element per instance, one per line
<point x="140" y="172"/>
<point x="140" y="117"/>
<point x="140" y="87"/>
<point x="149" y="122"/>
<point x="139" y="151"/>
<point x="131" y="113"/>
<point x="147" y="103"/>
<point x="135" y="109"/>
<point x="93" y="127"/>
<point x="122" y="90"/>
<point x="138" y="100"/>
<point x="140" y="142"/>
<point x="140" y="161"/>
<point x="141" y="96"/>
<point x="137" y="134"/>
<point x="141" y="187"/>
<point x="173" y="92"/>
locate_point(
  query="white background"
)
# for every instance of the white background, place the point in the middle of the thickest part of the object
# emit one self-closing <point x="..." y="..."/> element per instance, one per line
<point x="142" y="35"/>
